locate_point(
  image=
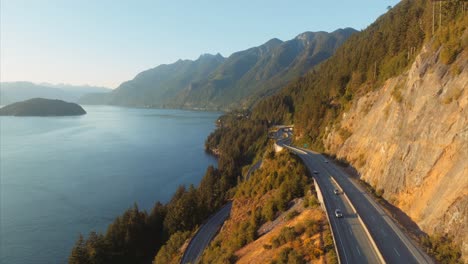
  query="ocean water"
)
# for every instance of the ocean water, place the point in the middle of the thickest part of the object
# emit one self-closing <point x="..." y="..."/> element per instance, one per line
<point x="61" y="176"/>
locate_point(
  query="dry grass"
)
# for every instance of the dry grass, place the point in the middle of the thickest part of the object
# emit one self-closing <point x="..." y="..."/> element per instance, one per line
<point x="259" y="252"/>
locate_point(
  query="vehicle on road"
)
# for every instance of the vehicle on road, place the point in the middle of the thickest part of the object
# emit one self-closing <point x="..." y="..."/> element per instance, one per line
<point x="336" y="191"/>
<point x="338" y="213"/>
<point x="326" y="161"/>
<point x="315" y="172"/>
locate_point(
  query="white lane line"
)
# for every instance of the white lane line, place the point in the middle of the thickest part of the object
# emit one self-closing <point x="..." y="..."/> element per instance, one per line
<point x="350" y="230"/>
<point x="358" y="251"/>
<point x="396" y="251"/>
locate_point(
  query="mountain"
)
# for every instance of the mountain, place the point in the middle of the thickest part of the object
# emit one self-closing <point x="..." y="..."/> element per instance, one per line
<point x="42" y="107"/>
<point x="249" y="75"/>
<point x="11" y="92"/>
<point x="154" y="87"/>
<point x="392" y="103"/>
<point x="214" y="82"/>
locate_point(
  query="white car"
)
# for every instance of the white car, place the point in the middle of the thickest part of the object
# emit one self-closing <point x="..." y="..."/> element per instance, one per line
<point x="336" y="191"/>
<point x="338" y="213"/>
<point x="315" y="172"/>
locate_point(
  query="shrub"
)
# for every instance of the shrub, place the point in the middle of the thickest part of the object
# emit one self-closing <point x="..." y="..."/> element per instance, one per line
<point x="291" y="215"/>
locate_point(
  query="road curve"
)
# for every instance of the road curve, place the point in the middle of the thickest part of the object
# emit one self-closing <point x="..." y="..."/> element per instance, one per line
<point x="205" y="234"/>
<point x="353" y="244"/>
<point x="394" y="245"/>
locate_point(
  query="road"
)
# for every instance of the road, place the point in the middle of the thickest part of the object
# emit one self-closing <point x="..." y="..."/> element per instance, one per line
<point x="205" y="234"/>
<point x="208" y="230"/>
<point x="352" y="243"/>
<point x="392" y="243"/>
<point x="252" y="169"/>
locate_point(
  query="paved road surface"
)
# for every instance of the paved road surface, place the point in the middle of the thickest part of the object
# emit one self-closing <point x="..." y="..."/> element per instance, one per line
<point x="205" y="234"/>
<point x="352" y="242"/>
<point x="394" y="245"/>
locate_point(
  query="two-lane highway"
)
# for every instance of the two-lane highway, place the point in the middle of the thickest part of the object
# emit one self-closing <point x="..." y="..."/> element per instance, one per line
<point x="205" y="234"/>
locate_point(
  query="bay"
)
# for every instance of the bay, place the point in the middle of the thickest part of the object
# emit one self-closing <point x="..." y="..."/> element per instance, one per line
<point x="61" y="176"/>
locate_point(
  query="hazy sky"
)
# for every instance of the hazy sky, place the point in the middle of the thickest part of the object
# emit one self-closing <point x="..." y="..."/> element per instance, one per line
<point x="105" y="42"/>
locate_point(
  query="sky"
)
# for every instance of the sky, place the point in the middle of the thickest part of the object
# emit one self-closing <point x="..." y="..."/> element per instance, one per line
<point x="106" y="42"/>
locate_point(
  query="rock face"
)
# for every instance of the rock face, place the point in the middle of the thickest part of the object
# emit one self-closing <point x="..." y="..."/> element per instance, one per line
<point x="410" y="139"/>
<point x="42" y="107"/>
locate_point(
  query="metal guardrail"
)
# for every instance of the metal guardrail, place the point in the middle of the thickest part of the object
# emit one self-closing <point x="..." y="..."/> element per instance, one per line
<point x="371" y="239"/>
<point x="322" y="204"/>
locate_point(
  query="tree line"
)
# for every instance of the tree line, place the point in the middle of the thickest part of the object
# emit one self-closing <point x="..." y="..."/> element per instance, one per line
<point x="136" y="236"/>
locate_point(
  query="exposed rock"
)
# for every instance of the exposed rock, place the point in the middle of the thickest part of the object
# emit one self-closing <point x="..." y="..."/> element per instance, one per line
<point x="410" y="139"/>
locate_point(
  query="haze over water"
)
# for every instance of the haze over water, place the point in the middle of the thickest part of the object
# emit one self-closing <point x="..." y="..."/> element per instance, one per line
<point x="60" y="176"/>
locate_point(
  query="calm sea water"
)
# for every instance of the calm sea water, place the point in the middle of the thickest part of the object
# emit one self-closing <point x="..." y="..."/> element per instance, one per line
<point x="60" y="176"/>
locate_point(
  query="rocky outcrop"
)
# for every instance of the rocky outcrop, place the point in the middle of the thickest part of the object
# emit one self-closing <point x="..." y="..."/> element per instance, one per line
<point x="410" y="139"/>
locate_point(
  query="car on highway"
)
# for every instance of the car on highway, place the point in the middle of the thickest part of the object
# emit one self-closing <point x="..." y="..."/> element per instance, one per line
<point x="315" y="172"/>
<point x="336" y="191"/>
<point x="338" y="213"/>
<point x="326" y="161"/>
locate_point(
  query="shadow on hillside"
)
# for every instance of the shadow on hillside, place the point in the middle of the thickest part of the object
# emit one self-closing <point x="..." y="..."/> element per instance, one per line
<point x="400" y="217"/>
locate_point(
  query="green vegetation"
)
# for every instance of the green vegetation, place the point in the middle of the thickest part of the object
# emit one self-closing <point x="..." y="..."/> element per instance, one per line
<point x="127" y="240"/>
<point x="281" y="179"/>
<point x="383" y="50"/>
<point x="239" y="81"/>
<point x="136" y="236"/>
<point x="289" y="256"/>
<point x="443" y="249"/>
<point x="42" y="107"/>
<point x="312" y="102"/>
<point x="169" y="253"/>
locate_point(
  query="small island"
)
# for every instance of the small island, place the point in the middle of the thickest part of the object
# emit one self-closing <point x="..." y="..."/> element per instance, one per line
<point x="42" y="107"/>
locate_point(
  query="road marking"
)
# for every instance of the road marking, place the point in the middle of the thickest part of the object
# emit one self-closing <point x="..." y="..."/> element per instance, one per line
<point x="350" y="230"/>
<point x="396" y="251"/>
<point x="359" y="252"/>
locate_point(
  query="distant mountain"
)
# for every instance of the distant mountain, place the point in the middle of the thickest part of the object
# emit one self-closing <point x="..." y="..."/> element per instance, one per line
<point x="42" y="107"/>
<point x="213" y="82"/>
<point x="249" y="75"/>
<point x="11" y="92"/>
<point x="153" y="87"/>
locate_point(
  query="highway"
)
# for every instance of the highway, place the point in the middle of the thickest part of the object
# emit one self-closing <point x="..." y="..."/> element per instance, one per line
<point x="205" y="234"/>
<point x="352" y="243"/>
<point x="392" y="243"/>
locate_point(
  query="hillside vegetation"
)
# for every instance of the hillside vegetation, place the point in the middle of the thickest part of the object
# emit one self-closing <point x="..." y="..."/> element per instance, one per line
<point x="136" y="236"/>
<point x="42" y="107"/>
<point x="361" y="65"/>
<point x="258" y="232"/>
<point x="397" y="60"/>
<point x="214" y="82"/>
<point x="392" y="101"/>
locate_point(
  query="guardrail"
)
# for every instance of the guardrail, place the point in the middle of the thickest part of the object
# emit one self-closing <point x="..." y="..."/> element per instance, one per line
<point x="322" y="204"/>
<point x="371" y="239"/>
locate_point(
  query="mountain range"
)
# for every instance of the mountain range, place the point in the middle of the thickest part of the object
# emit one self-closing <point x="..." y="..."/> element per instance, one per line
<point x="11" y="92"/>
<point x="217" y="83"/>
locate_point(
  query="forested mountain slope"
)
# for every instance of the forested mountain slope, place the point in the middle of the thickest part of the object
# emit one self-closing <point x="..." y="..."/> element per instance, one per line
<point x="214" y="82"/>
<point x="392" y="101"/>
<point x="250" y="75"/>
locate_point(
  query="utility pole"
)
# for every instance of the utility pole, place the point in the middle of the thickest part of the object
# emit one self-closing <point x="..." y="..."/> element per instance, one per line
<point x="440" y="14"/>
<point x="433" y="16"/>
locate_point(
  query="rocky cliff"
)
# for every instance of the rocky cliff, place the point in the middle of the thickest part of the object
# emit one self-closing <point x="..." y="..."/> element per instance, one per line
<point x="410" y="139"/>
